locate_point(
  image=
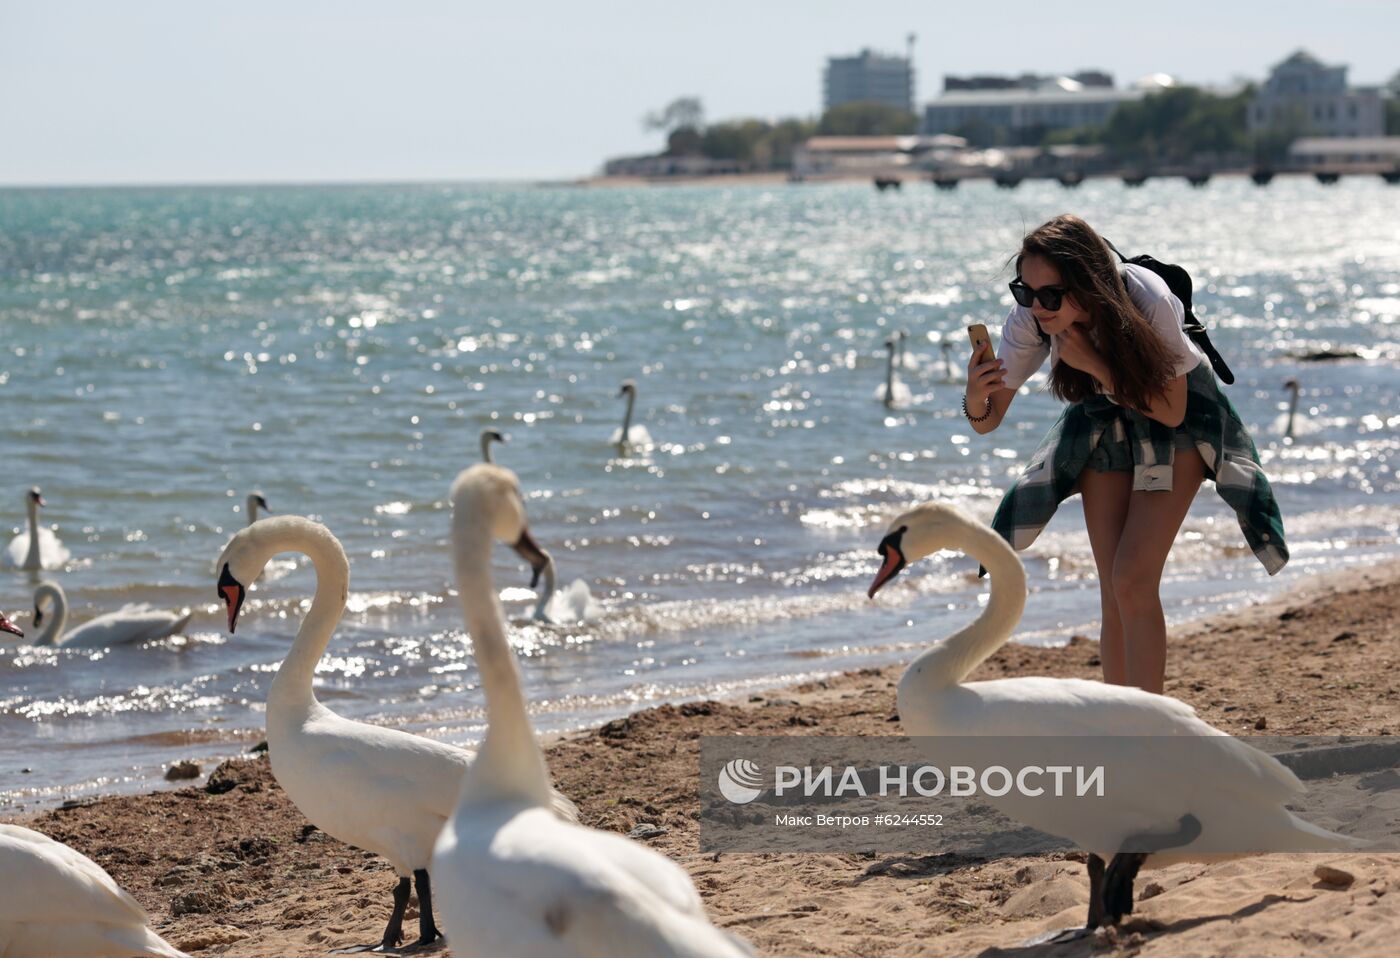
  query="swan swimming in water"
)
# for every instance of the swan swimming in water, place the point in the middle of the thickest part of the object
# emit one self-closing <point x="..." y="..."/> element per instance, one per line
<point x="892" y="392"/>
<point x="518" y="880"/>
<point x="134" y="622"/>
<point x="61" y="904"/>
<point x="1227" y="789"/>
<point x="489" y="436"/>
<point x="572" y="605"/>
<point x="628" y="434"/>
<point x="36" y="548"/>
<point x="379" y="789"/>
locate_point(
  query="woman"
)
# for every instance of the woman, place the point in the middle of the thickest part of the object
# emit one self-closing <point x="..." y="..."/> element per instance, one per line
<point x="1146" y="422"/>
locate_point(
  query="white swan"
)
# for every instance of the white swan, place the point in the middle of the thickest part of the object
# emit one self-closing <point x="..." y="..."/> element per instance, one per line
<point x="489" y="436"/>
<point x="1290" y="425"/>
<point x="892" y="392"/>
<point x="1228" y="793"/>
<point x="60" y="904"/>
<point x="379" y="789"/>
<point x="36" y="548"/>
<point x="628" y="434"/>
<point x="519" y="881"/>
<point x="133" y="622"/>
<point x="252" y="504"/>
<point x="572" y="605"/>
<point x="946" y="348"/>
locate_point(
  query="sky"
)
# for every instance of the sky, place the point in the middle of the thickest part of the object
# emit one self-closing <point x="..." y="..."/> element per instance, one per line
<point x="181" y="91"/>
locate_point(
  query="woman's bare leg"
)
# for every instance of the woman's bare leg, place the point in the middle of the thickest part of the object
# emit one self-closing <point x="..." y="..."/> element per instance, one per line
<point x="1153" y="520"/>
<point x="1105" y="496"/>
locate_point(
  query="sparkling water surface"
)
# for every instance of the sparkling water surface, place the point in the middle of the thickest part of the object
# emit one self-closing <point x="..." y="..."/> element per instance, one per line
<point x="167" y="351"/>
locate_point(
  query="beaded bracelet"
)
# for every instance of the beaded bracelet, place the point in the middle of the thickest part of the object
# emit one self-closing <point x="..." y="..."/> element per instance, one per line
<point x="970" y="416"/>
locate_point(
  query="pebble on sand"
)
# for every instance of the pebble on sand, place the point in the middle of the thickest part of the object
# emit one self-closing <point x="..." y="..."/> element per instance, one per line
<point x="1333" y="876"/>
<point x="181" y="771"/>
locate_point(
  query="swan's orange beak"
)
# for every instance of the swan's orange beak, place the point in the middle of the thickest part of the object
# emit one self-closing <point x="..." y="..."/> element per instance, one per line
<point x="232" y="592"/>
<point x="532" y="554"/>
<point x="891" y="561"/>
<point x="7" y="626"/>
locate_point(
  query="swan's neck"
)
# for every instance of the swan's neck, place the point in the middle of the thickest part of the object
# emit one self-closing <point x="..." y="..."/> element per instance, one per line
<point x="889" y="375"/>
<point x="627" y="416"/>
<point x="952" y="661"/>
<point x="509" y="764"/>
<point x="485" y="447"/>
<point x="57" y="619"/>
<point x="291" y="690"/>
<point x="251" y="507"/>
<point x="541" y="613"/>
<point x="32" y="559"/>
<point x="1292" y="411"/>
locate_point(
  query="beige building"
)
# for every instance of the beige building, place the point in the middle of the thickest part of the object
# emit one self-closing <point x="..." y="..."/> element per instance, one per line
<point x="1305" y="97"/>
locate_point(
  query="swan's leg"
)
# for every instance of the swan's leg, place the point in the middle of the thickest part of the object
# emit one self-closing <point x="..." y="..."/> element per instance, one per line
<point x="393" y="932"/>
<point x="1096" y="870"/>
<point x="1122" y="871"/>
<point x="427" y="929"/>
<point x="1118" y="885"/>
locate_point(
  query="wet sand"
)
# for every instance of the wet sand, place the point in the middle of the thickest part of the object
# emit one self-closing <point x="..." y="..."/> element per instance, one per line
<point x="241" y="873"/>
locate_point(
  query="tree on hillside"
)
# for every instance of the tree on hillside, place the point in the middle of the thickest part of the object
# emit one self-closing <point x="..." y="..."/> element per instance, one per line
<point x="682" y="112"/>
<point x="867" y="118"/>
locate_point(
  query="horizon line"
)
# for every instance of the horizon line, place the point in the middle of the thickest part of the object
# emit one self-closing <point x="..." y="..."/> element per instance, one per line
<point x="234" y="183"/>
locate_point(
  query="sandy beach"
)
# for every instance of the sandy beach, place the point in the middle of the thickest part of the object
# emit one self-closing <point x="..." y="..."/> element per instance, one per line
<point x="229" y="867"/>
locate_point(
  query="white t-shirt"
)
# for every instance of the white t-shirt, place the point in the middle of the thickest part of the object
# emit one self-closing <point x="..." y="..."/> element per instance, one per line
<point x="1024" y="351"/>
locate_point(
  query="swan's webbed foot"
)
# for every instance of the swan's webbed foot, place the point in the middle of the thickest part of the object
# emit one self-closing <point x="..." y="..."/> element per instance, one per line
<point x="1118" y="885"/>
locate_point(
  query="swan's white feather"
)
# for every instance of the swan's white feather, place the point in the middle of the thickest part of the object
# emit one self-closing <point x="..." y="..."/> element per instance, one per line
<point x="61" y="904"/>
<point x="134" y="622"/>
<point x="380" y="789"/>
<point x="637" y="435"/>
<point x="537" y="887"/>
<point x="53" y="554"/>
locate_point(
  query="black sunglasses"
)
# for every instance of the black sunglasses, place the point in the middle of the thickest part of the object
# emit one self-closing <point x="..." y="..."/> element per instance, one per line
<point x="1050" y="296"/>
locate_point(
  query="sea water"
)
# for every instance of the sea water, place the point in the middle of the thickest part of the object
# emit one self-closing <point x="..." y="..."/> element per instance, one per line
<point x="339" y="349"/>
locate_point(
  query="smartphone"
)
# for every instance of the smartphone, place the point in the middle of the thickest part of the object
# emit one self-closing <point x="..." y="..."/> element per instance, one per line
<point x="981" y="343"/>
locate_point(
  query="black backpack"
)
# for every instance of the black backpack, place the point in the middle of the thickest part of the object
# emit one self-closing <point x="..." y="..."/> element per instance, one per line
<point x="1179" y="282"/>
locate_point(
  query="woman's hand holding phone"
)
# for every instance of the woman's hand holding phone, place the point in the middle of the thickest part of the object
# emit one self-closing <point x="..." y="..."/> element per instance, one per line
<point x="985" y="373"/>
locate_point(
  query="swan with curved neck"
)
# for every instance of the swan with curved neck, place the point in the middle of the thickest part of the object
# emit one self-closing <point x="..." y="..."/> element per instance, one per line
<point x="489" y="436"/>
<point x="519" y="880"/>
<point x="628" y="434"/>
<point x="379" y="789"/>
<point x="36" y="548"/>
<point x="892" y="392"/>
<point x="134" y="622"/>
<point x="1219" y="791"/>
<point x="61" y="904"/>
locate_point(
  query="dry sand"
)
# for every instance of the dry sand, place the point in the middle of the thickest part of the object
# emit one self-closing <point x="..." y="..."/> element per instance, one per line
<point x="241" y="873"/>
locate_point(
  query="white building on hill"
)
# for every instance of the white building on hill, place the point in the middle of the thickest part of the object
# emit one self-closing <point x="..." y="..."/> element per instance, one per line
<point x="1304" y="96"/>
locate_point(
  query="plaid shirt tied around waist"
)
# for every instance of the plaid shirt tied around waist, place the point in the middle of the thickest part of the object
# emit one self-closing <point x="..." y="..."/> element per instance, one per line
<point x="1231" y="461"/>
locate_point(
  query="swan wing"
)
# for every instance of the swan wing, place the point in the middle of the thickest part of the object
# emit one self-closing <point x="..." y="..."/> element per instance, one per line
<point x="337" y="768"/>
<point x="526" y="883"/>
<point x="45" y="880"/>
<point x="17" y="550"/>
<point x="130" y="623"/>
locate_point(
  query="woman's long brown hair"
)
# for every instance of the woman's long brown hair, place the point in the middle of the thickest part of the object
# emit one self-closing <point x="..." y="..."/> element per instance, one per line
<point x="1088" y="270"/>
